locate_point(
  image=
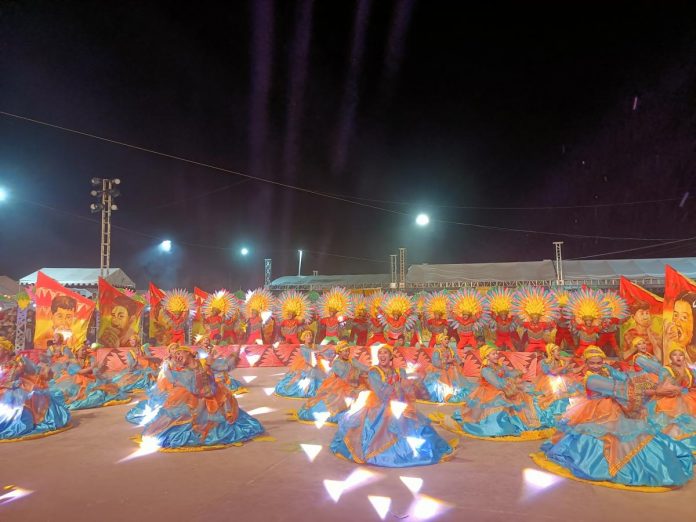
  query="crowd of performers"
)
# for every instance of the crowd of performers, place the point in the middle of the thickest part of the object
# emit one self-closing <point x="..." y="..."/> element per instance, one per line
<point x="626" y="423"/>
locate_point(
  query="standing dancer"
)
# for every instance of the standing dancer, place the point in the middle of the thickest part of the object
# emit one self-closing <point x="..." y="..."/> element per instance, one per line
<point x="359" y="325"/>
<point x="564" y="337"/>
<point x="435" y="309"/>
<point x="537" y="310"/>
<point x="176" y="305"/>
<point x="468" y="311"/>
<point x="258" y="308"/>
<point x="294" y="311"/>
<point x="398" y="316"/>
<point x="304" y="374"/>
<point x="500" y="302"/>
<point x="588" y="308"/>
<point x="376" y="328"/>
<point x="609" y="326"/>
<point x="334" y="307"/>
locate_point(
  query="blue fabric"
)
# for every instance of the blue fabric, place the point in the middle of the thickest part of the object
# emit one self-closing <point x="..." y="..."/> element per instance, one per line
<point x="20" y="423"/>
<point x="244" y="428"/>
<point x="662" y="462"/>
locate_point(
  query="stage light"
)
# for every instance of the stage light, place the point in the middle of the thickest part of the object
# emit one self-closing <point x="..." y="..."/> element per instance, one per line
<point x="95" y="207"/>
<point x="244" y="251"/>
<point x="116" y="181"/>
<point x="166" y="246"/>
<point x="3" y="194"/>
<point x="94" y="193"/>
<point x="422" y="220"/>
<point x="96" y="182"/>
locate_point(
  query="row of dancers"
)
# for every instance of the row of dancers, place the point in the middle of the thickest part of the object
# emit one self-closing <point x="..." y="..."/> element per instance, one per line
<point x="631" y="427"/>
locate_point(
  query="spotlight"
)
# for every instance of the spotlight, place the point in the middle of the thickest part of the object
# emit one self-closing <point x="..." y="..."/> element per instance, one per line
<point x="166" y="246"/>
<point x="422" y="220"/>
<point x="96" y="182"/>
<point x="244" y="251"/>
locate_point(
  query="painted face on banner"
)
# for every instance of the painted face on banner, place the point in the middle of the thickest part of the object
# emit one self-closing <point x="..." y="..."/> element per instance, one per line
<point x="120" y="317"/>
<point x="63" y="319"/>
<point x="643" y="318"/>
<point x="683" y="319"/>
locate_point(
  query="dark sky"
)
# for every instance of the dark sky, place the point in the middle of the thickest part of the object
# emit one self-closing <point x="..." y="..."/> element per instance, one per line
<point x="406" y="105"/>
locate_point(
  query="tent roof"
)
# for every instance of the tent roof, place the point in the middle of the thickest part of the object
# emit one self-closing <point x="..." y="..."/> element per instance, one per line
<point x="630" y="268"/>
<point x="326" y="281"/>
<point x="81" y="277"/>
<point x="482" y="272"/>
<point x="8" y="286"/>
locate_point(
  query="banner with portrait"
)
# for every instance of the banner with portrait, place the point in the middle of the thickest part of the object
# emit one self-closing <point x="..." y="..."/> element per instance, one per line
<point x="157" y="328"/>
<point x="60" y="311"/>
<point x="119" y="316"/>
<point x="645" y="319"/>
<point x="679" y="312"/>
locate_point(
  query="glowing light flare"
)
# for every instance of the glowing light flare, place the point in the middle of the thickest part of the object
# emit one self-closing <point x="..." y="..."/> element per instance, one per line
<point x="313" y="359"/>
<point x="320" y="418"/>
<point x="148" y="446"/>
<point x="260" y="411"/>
<point x="334" y="488"/>
<point x="13" y="493"/>
<point x="359" y="403"/>
<point x="381" y="505"/>
<point x="269" y="391"/>
<point x="311" y="450"/>
<point x="304" y="383"/>
<point x="539" y="480"/>
<point x="397" y="408"/>
<point x="325" y="365"/>
<point x="9" y="413"/>
<point x="414" y="484"/>
<point x="415" y="443"/>
<point x="557" y="384"/>
<point x="422" y="219"/>
<point x="3" y="194"/>
<point x="166" y="246"/>
<point x="202" y="354"/>
<point x="426" y="508"/>
<point x="276" y="344"/>
<point x="411" y="368"/>
<point x="265" y="316"/>
<point x="149" y="413"/>
<point x="374" y="350"/>
<point x="252" y="359"/>
<point x="248" y="378"/>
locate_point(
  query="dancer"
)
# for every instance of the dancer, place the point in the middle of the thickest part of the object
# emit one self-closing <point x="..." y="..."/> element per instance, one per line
<point x="435" y="308"/>
<point x="536" y="309"/>
<point x="338" y="391"/>
<point x="588" y="309"/>
<point x="222" y="367"/>
<point x="257" y="309"/>
<point x="444" y="381"/>
<point x="558" y="381"/>
<point x="218" y="307"/>
<point x="564" y="337"/>
<point x="398" y="316"/>
<point x="609" y="326"/>
<point x="335" y="307"/>
<point x="500" y="302"/>
<point x="304" y="375"/>
<point x="196" y="413"/>
<point x="359" y="325"/>
<point x="140" y="371"/>
<point x="176" y="306"/>
<point x="28" y="408"/>
<point x="383" y="427"/>
<point x="604" y="437"/>
<point x="83" y="384"/>
<point x="500" y="408"/>
<point x="468" y="314"/>
<point x="294" y="310"/>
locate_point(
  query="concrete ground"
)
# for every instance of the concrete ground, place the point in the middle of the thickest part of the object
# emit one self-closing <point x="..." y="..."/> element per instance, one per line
<point x="78" y="475"/>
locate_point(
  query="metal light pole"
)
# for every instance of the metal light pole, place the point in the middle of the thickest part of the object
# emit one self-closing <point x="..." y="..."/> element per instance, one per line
<point x="299" y="266"/>
<point x="106" y="205"/>
<point x="559" y="262"/>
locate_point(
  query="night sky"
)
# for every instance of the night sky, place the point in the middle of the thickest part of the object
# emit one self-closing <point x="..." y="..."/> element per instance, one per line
<point x="406" y="106"/>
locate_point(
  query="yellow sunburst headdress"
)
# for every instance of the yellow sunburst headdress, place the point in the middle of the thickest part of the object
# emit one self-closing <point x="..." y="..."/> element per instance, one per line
<point x="436" y="302"/>
<point x="221" y="300"/>
<point x="588" y="303"/>
<point x="360" y="306"/>
<point x="375" y="303"/>
<point x="260" y="300"/>
<point x="178" y="301"/>
<point x="294" y="302"/>
<point x="618" y="307"/>
<point x="500" y="299"/>
<point x="400" y="303"/>
<point x="533" y="300"/>
<point x="469" y="301"/>
<point x="338" y="299"/>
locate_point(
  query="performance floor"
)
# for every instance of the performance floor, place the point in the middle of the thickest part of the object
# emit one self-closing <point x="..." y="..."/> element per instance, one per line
<point x="81" y="475"/>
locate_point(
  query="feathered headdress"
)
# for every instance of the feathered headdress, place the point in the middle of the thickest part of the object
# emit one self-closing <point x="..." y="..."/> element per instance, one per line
<point x="375" y="303"/>
<point x="532" y="300"/>
<point x="221" y="300"/>
<point x="260" y="300"/>
<point x="338" y="299"/>
<point x="589" y="303"/>
<point x="469" y="301"/>
<point x="500" y="299"/>
<point x="436" y="302"/>
<point x="178" y="300"/>
<point x="562" y="297"/>
<point x="419" y="301"/>
<point x="292" y="301"/>
<point x="617" y="305"/>
<point x="360" y="305"/>
<point x="399" y="302"/>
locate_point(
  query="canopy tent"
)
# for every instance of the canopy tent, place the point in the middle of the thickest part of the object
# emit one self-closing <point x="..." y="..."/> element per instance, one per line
<point x="8" y="286"/>
<point x="481" y="274"/>
<point x="318" y="282"/>
<point x="81" y="277"/>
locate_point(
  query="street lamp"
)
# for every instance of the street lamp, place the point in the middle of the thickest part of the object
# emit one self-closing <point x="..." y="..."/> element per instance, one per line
<point x="244" y="251"/>
<point x="422" y="220"/>
<point x="166" y="246"/>
<point x="3" y="194"/>
<point x="105" y="191"/>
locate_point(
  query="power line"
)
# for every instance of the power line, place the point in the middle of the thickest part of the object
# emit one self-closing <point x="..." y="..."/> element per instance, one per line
<point x="647" y="247"/>
<point x="316" y="192"/>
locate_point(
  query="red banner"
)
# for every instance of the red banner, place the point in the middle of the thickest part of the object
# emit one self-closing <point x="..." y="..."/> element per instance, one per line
<point x="156" y="328"/>
<point x="59" y="310"/>
<point x="119" y="316"/>
<point x="679" y="312"/>
<point x="646" y="315"/>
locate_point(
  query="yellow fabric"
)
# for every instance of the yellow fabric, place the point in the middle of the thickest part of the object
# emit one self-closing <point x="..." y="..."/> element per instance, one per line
<point x="545" y="464"/>
<point x="637" y="339"/>
<point x="441" y="420"/>
<point x="594" y="351"/>
<point x="115" y="403"/>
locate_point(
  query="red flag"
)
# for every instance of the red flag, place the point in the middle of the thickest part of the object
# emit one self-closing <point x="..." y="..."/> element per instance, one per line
<point x="156" y="329"/>
<point x="59" y="310"/>
<point x="646" y="317"/>
<point x="119" y="316"/>
<point x="679" y="313"/>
